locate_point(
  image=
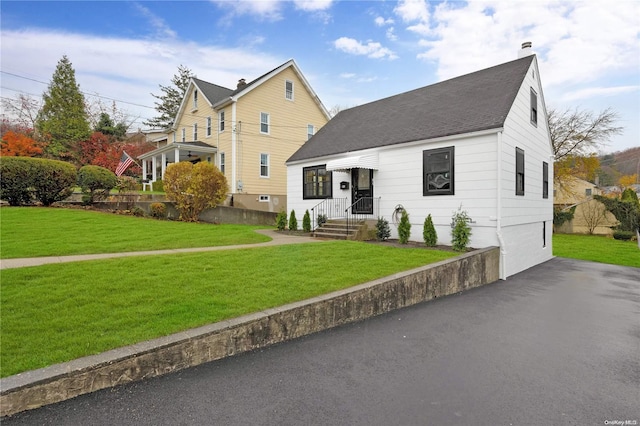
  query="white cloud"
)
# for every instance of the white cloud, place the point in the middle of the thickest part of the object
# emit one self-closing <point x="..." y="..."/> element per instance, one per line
<point x="269" y="10"/>
<point x="163" y="30"/>
<point x="597" y="92"/>
<point x="118" y="68"/>
<point x="381" y="22"/>
<point x="371" y="49"/>
<point x="413" y="10"/>
<point x="313" y="5"/>
<point x="391" y="35"/>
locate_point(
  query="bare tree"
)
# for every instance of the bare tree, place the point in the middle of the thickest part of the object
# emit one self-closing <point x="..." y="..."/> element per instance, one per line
<point x="579" y="133"/>
<point x="23" y="110"/>
<point x="593" y="213"/>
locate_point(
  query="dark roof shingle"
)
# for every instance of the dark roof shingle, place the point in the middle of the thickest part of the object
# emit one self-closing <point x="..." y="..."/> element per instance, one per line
<point x="212" y="92"/>
<point x="469" y="103"/>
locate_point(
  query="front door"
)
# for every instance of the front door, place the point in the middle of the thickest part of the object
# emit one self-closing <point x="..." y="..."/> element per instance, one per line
<point x="362" y="194"/>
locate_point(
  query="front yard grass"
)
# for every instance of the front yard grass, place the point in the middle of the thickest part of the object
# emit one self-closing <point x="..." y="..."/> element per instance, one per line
<point x="55" y="313"/>
<point x="596" y="248"/>
<point x="36" y="232"/>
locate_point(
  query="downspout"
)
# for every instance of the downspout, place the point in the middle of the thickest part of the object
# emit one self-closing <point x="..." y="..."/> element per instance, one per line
<point x="503" y="247"/>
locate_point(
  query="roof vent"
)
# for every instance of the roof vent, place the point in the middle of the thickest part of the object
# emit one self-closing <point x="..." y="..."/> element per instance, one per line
<point x="526" y="50"/>
<point x="241" y="83"/>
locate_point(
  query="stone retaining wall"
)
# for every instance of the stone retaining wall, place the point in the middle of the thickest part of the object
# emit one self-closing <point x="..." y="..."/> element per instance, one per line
<point x="182" y="350"/>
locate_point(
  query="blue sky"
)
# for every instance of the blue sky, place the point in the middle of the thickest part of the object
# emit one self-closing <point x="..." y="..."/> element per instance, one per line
<point x="352" y="52"/>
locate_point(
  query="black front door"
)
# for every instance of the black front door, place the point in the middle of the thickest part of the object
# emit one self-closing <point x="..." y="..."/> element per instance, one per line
<point x="362" y="194"/>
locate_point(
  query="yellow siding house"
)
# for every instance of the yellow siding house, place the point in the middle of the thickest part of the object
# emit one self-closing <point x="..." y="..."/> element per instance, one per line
<point x="248" y="133"/>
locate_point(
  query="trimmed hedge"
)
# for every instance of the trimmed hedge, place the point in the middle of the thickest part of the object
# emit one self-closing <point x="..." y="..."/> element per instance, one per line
<point x="95" y="182"/>
<point x="25" y="179"/>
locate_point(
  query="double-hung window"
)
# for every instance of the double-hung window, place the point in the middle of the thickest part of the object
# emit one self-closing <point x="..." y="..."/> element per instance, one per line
<point x="195" y="99"/>
<point x="438" y="170"/>
<point x="519" y="171"/>
<point x="316" y="182"/>
<point x="534" y="107"/>
<point x="184" y="134"/>
<point x="264" y="123"/>
<point x="195" y="131"/>
<point x="264" y="165"/>
<point x="221" y="121"/>
<point x="288" y="90"/>
<point x="222" y="160"/>
<point x="209" y="126"/>
<point x="545" y="179"/>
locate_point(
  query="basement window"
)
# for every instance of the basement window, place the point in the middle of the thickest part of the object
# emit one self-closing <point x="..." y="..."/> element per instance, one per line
<point x="264" y="198"/>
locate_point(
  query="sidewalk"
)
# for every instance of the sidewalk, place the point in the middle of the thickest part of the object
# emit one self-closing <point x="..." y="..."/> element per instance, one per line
<point x="277" y="239"/>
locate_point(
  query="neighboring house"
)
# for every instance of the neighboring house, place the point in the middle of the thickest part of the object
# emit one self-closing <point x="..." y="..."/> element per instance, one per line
<point x="479" y="142"/>
<point x="247" y="132"/>
<point x="589" y="216"/>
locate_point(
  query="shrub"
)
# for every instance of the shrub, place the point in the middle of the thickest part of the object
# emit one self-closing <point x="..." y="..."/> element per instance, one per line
<point x="623" y="235"/>
<point x="383" y="232"/>
<point x="158" y="210"/>
<point x="626" y="210"/>
<point x="293" y="222"/>
<point x="561" y="216"/>
<point x="429" y="232"/>
<point x="95" y="183"/>
<point x="52" y="180"/>
<point x="137" y="211"/>
<point x="404" y="228"/>
<point x="126" y="184"/>
<point x="461" y="231"/>
<point x="158" y="185"/>
<point x="16" y="177"/>
<point x="322" y="219"/>
<point x="281" y="221"/>
<point x="306" y="222"/>
<point x="193" y="188"/>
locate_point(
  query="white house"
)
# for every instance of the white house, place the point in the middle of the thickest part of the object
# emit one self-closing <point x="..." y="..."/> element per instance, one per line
<point x="479" y="142"/>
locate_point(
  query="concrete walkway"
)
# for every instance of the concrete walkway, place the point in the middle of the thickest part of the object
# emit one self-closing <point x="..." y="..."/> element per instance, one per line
<point x="277" y="239"/>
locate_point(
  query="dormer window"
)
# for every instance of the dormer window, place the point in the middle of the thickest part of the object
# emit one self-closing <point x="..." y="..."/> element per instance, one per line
<point x="195" y="99"/>
<point x="288" y="90"/>
<point x="534" y="107"/>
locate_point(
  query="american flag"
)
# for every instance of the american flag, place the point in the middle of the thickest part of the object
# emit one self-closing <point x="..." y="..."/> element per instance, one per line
<point x="125" y="162"/>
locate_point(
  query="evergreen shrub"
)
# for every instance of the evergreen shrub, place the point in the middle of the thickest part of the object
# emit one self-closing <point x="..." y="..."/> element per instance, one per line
<point x="281" y="221"/>
<point x="158" y="210"/>
<point x="15" y="181"/>
<point x="429" y="232"/>
<point x="95" y="183"/>
<point x="383" y="232"/>
<point x="461" y="231"/>
<point x="404" y="228"/>
<point x="293" y="222"/>
<point x="306" y="222"/>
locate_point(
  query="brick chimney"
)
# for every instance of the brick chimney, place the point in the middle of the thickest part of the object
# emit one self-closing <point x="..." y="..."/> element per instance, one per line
<point x="526" y="50"/>
<point x="241" y="83"/>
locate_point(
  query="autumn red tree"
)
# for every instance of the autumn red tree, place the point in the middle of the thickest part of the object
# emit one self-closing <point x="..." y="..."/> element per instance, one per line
<point x="100" y="150"/>
<point x="16" y="144"/>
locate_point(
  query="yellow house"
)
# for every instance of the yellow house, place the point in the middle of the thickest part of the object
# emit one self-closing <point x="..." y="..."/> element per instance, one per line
<point x="590" y="216"/>
<point x="247" y="132"/>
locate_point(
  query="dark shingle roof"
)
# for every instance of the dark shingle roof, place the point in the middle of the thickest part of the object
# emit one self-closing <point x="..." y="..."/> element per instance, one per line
<point x="213" y="92"/>
<point x="470" y="103"/>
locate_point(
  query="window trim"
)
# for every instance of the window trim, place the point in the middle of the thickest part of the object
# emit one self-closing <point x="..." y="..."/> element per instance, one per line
<point x="425" y="187"/>
<point x="533" y="116"/>
<point x="267" y="165"/>
<point x="221" y="121"/>
<point x="520" y="171"/>
<point x="545" y="179"/>
<point x="328" y="194"/>
<point x="222" y="162"/>
<point x="195" y="100"/>
<point x="264" y="198"/>
<point x="268" y="123"/>
<point x="184" y="134"/>
<point x="288" y="95"/>
<point x="195" y="132"/>
<point x="209" y="121"/>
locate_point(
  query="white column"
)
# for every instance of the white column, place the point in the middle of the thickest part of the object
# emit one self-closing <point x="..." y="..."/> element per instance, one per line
<point x="144" y="169"/>
<point x="164" y="163"/>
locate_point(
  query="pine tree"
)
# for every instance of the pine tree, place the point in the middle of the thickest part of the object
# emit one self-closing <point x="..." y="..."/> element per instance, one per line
<point x="170" y="99"/>
<point x="429" y="232"/>
<point x="62" y="121"/>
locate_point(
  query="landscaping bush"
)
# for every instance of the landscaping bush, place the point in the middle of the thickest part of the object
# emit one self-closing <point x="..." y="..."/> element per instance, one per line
<point x="322" y="219"/>
<point x="158" y="186"/>
<point x="137" y="211"/>
<point x="52" y="180"/>
<point x="95" y="183"/>
<point x="193" y="188"/>
<point x="126" y="184"/>
<point x="429" y="232"/>
<point x="561" y="216"/>
<point x="293" y="222"/>
<point x="281" y="221"/>
<point x="383" y="232"/>
<point x="461" y="231"/>
<point x="404" y="228"/>
<point x="158" y="210"/>
<point x="306" y="222"/>
<point x="16" y="179"/>
<point x="623" y="235"/>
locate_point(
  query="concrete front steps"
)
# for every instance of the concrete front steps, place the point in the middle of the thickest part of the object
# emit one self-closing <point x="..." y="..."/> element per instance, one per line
<point x="337" y="229"/>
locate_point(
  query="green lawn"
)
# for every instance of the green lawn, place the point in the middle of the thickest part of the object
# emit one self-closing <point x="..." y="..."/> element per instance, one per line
<point x="59" y="312"/>
<point x="35" y="232"/>
<point x="597" y="248"/>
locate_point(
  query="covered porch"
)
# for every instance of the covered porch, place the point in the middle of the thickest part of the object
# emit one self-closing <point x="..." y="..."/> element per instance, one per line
<point x="154" y="163"/>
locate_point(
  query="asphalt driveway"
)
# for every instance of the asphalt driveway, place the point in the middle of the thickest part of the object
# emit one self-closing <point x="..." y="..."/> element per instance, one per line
<point x="558" y="344"/>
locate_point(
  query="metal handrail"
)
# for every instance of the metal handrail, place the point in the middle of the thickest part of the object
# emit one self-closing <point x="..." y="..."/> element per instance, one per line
<point x="329" y="208"/>
<point x="352" y="217"/>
